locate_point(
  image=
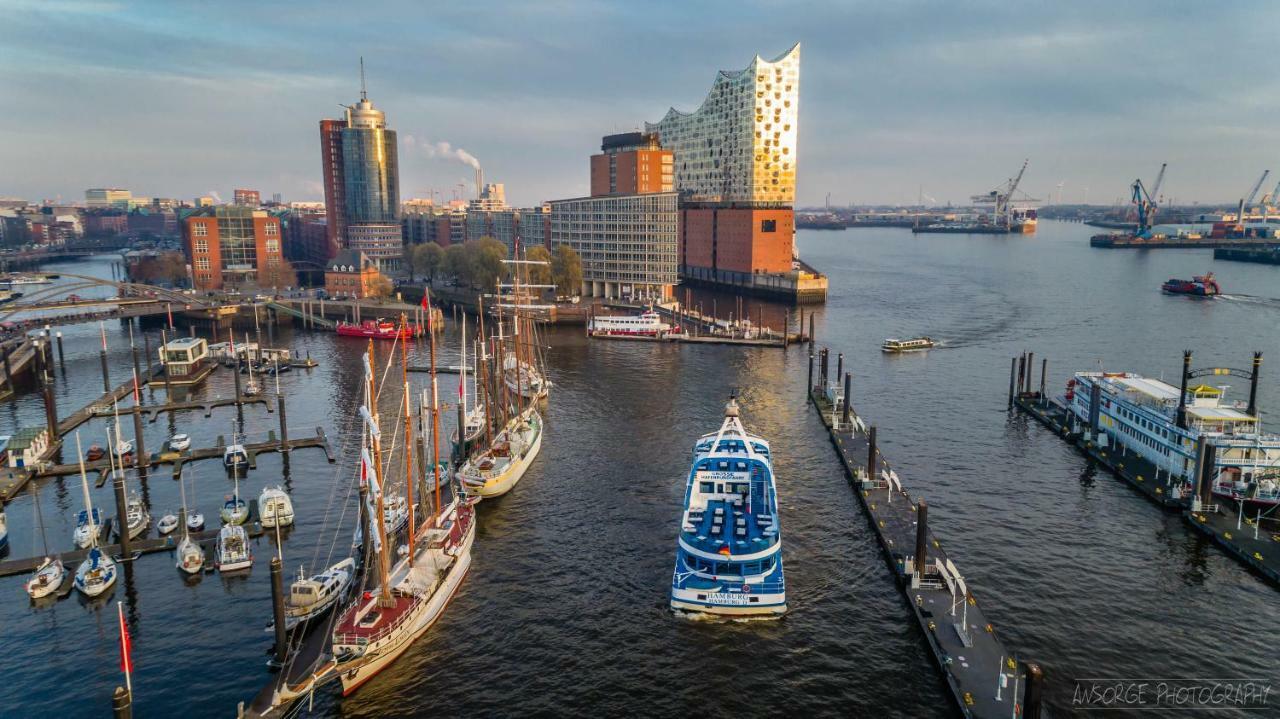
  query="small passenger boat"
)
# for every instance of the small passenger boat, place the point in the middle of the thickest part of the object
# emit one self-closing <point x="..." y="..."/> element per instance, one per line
<point x="309" y="597"/>
<point x="915" y="344"/>
<point x="1198" y="286"/>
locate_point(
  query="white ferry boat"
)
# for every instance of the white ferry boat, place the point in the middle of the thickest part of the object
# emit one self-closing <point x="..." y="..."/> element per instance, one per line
<point x="1164" y="424"/>
<point x="915" y="344"/>
<point x="729" y="552"/>
<point x="647" y="324"/>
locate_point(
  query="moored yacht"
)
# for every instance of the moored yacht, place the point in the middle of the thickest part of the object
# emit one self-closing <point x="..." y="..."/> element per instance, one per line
<point x="494" y="471"/>
<point x="275" y="508"/>
<point x="310" y="597"/>
<point x="729" y="551"/>
<point x="233" y="549"/>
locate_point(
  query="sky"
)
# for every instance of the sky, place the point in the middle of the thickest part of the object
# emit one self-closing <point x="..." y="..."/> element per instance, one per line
<point x="898" y="100"/>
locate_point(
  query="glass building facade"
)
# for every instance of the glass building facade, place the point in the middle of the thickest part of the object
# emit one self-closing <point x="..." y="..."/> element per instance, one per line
<point x="372" y="175"/>
<point x="238" y="243"/>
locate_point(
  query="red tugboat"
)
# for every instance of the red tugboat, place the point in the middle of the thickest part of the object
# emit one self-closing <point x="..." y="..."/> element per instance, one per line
<point x="1200" y="286"/>
<point x="376" y="329"/>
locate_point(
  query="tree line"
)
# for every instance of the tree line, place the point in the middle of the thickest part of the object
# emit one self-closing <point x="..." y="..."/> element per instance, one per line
<point x="479" y="264"/>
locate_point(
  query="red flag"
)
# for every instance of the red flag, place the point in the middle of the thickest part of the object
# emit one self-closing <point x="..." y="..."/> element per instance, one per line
<point x="725" y="550"/>
<point x="425" y="306"/>
<point x="126" y="647"/>
<point x="461" y="392"/>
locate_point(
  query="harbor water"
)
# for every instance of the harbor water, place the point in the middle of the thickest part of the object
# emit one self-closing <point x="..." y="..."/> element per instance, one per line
<point x="565" y="608"/>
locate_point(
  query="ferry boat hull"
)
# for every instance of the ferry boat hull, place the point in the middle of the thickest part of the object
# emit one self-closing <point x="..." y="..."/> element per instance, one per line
<point x="498" y="484"/>
<point x="729" y="601"/>
<point x="376" y="330"/>
<point x="1198" y="286"/>
<point x="378" y="655"/>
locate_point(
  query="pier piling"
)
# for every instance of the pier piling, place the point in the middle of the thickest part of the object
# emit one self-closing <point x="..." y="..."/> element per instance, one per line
<point x="1022" y="371"/>
<point x="235" y="371"/>
<point x="1207" y="471"/>
<point x="284" y="427"/>
<point x="844" y="411"/>
<point x="1031" y="364"/>
<point x="839" y="366"/>
<point x="62" y="361"/>
<point x="121" y="704"/>
<point x="277" y="612"/>
<point x="141" y="459"/>
<point x="51" y="413"/>
<point x="922" y="534"/>
<point x="826" y="354"/>
<point x="1182" y="394"/>
<point x="808" y="390"/>
<point x="106" y="379"/>
<point x="164" y="364"/>
<point x="1253" y="384"/>
<point x="812" y="338"/>
<point x="122" y="513"/>
<point x="1013" y="371"/>
<point x="1044" y="369"/>
<point x="8" y="370"/>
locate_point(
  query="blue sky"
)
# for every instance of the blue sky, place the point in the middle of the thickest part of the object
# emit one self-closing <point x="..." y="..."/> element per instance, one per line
<point x="181" y="98"/>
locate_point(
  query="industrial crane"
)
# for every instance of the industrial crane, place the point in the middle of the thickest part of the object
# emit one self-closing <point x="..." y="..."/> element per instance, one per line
<point x="1002" y="196"/>
<point x="1146" y="203"/>
<point x="1249" y="201"/>
<point x="1269" y="201"/>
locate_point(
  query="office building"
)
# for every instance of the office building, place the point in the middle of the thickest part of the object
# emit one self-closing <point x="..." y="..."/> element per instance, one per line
<point x="361" y="181"/>
<point x="247" y="198"/>
<point x="230" y="246"/>
<point x="107" y="198"/>
<point x="631" y="163"/>
<point x="627" y="243"/>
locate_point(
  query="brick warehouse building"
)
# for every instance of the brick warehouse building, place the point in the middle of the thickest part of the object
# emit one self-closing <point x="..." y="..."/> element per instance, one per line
<point x="230" y="246"/>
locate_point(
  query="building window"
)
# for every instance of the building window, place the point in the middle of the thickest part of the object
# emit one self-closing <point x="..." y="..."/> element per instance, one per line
<point x="768" y="225"/>
<point x="202" y="245"/>
<point x="202" y="263"/>
<point x="273" y="245"/>
<point x="200" y="230"/>
<point x="273" y="229"/>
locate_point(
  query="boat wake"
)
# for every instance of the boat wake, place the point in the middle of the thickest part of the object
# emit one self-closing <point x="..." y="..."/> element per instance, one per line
<point x="1253" y="300"/>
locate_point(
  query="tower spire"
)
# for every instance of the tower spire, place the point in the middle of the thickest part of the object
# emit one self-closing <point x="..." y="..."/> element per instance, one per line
<point x="363" y="95"/>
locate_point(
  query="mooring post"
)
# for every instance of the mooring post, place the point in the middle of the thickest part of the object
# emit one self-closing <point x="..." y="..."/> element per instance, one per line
<point x="164" y="367"/>
<point x="1031" y="363"/>
<point x="1032" y="698"/>
<point x="51" y="412"/>
<point x="1253" y="384"/>
<point x="844" y="416"/>
<point x="235" y="371"/>
<point x="146" y="354"/>
<point x="284" y="426"/>
<point x="277" y="611"/>
<point x="8" y="370"/>
<point x="871" y="453"/>
<point x="1022" y="370"/>
<point x="141" y="459"/>
<point x="122" y="511"/>
<point x="826" y="355"/>
<point x="1044" y="369"/>
<point x="137" y="370"/>
<point x="102" y="356"/>
<point x="811" y="336"/>
<point x="37" y="361"/>
<point x="62" y="360"/>
<point x="839" y="366"/>
<point x="922" y="532"/>
<point x="1013" y="372"/>
<point x="121" y="704"/>
<point x="808" y="390"/>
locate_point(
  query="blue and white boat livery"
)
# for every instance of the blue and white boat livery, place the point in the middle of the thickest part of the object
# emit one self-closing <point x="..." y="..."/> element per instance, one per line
<point x="729" y="555"/>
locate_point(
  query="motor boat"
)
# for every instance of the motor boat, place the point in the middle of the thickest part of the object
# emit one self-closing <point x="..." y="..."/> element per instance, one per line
<point x="233" y="549"/>
<point x="47" y="579"/>
<point x="195" y="522"/>
<point x="137" y="518"/>
<point x="234" y="457"/>
<point x="309" y="597"/>
<point x="167" y="524"/>
<point x="275" y="508"/>
<point x="180" y="442"/>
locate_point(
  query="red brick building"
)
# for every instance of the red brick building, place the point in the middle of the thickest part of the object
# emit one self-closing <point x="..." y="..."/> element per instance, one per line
<point x="335" y="187"/>
<point x="231" y="246"/>
<point x="350" y="274"/>
<point x="631" y="163"/>
<point x="733" y="239"/>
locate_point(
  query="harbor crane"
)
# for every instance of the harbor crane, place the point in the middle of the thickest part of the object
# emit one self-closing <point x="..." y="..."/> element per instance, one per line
<point x="1245" y="202"/>
<point x="1146" y="203"/>
<point x="1269" y="202"/>
<point x="1002" y="197"/>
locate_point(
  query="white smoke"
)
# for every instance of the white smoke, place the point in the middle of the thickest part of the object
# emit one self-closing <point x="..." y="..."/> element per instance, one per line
<point x="443" y="151"/>
<point x="216" y="197"/>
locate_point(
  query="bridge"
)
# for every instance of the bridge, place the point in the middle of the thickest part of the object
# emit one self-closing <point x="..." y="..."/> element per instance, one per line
<point x="59" y="304"/>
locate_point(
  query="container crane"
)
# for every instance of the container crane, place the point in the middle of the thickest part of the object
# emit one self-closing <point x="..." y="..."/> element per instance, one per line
<point x="1146" y="203"/>
<point x="1269" y="201"/>
<point x="1002" y="196"/>
<point x="1249" y="201"/>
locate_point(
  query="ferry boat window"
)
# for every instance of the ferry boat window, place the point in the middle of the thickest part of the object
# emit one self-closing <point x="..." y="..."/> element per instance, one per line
<point x="707" y="487"/>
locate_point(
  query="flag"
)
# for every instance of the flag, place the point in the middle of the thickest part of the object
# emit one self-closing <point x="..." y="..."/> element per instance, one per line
<point x="126" y="648"/>
<point x="725" y="550"/>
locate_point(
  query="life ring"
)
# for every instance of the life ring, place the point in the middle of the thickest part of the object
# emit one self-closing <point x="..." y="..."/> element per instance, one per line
<point x="746" y="589"/>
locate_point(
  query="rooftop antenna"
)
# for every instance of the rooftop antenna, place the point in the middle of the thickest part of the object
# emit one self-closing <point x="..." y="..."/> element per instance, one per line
<point x="363" y="95"/>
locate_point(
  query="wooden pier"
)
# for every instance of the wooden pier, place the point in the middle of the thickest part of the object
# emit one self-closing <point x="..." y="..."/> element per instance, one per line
<point x="1253" y="541"/>
<point x="984" y="677"/>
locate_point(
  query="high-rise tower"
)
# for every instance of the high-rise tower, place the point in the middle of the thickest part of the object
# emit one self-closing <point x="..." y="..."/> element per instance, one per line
<point x="362" y="183"/>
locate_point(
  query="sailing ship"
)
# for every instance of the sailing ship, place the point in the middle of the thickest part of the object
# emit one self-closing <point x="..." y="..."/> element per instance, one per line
<point x="729" y="552"/>
<point x="50" y="573"/>
<point x="411" y="595"/>
<point x="97" y="573"/>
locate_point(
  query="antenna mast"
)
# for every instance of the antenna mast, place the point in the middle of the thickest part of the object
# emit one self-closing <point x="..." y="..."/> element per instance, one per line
<point x="363" y="95"/>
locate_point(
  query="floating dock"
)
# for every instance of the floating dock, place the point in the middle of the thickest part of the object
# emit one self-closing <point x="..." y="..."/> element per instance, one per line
<point x="1176" y="243"/>
<point x="1269" y="255"/>
<point x="984" y="677"/>
<point x="1253" y="541"/>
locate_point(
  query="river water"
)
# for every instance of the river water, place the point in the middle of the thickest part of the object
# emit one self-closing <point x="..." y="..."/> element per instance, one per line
<point x="564" y="611"/>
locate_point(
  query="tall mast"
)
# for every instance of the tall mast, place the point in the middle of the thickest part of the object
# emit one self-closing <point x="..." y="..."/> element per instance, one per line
<point x="462" y="396"/>
<point x="408" y="430"/>
<point x="384" y="557"/>
<point x="435" y="418"/>
<point x="84" y="485"/>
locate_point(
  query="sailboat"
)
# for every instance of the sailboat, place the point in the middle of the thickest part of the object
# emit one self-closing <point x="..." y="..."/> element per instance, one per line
<point x="233" y="549"/>
<point x="97" y="573"/>
<point x="234" y="510"/>
<point x="252" y="388"/>
<point x="522" y="370"/>
<point x="50" y="573"/>
<point x="137" y="518"/>
<point x="411" y="595"/>
<point x="190" y="555"/>
<point x="4" y="532"/>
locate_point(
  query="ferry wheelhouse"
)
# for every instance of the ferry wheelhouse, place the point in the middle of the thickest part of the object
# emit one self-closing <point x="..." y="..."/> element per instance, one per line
<point x="729" y="552"/>
<point x="1165" y="424"/>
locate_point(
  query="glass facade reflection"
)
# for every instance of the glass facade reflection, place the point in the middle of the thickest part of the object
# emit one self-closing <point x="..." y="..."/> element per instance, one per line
<point x="372" y="175"/>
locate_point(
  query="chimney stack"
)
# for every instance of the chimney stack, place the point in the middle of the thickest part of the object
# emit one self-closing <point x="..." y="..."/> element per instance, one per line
<point x="479" y="183"/>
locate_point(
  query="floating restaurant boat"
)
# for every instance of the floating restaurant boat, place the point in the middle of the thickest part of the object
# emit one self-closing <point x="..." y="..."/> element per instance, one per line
<point x="729" y="551"/>
<point x="1200" y="286"/>
<point x="915" y="344"/>
<point x="1166" y="425"/>
<point x="16" y="280"/>
<point x="376" y="329"/>
<point x="647" y="324"/>
<point x="233" y="549"/>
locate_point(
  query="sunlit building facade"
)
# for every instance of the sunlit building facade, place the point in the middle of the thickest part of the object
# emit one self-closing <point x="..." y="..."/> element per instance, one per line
<point x="232" y="246"/>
